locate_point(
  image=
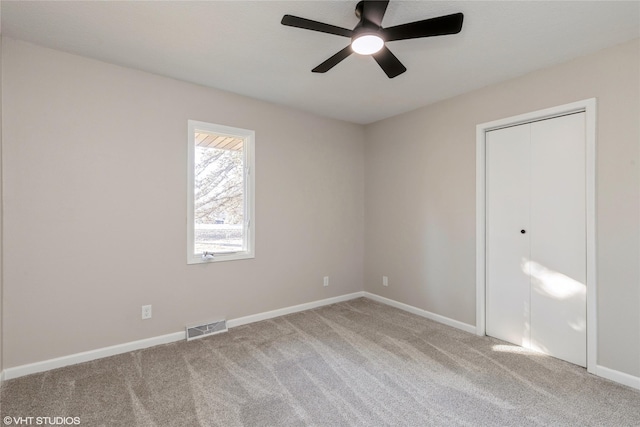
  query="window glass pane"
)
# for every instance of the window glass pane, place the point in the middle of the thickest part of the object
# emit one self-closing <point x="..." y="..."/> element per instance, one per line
<point x="218" y="193"/>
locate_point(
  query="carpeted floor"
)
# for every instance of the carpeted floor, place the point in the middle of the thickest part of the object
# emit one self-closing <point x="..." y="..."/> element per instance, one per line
<point x="357" y="363"/>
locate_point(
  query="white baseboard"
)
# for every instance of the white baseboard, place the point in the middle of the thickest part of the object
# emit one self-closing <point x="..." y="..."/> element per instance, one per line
<point x="617" y="376"/>
<point x="424" y="313"/>
<point x="86" y="356"/>
<point x="293" y="309"/>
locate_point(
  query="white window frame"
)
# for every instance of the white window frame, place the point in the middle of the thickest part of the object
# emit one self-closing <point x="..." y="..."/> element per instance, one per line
<point x="248" y="137"/>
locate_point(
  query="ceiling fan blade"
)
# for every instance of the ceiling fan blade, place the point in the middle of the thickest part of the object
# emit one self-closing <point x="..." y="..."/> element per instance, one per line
<point x="308" y="24"/>
<point x="389" y="63"/>
<point x="442" y="25"/>
<point x="373" y="10"/>
<point x="333" y="61"/>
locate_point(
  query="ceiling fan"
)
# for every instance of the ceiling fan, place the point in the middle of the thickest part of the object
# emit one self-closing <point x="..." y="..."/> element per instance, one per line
<point x="369" y="38"/>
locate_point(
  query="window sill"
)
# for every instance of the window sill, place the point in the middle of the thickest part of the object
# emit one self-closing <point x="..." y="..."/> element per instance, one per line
<point x="197" y="259"/>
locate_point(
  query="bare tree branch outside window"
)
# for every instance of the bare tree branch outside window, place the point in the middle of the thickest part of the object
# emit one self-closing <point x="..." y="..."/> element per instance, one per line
<point x="218" y="199"/>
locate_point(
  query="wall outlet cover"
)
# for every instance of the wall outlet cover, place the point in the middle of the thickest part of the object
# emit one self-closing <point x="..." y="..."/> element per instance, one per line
<point x="146" y="312"/>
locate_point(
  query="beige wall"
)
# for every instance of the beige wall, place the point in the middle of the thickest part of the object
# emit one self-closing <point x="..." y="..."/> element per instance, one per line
<point x="95" y="174"/>
<point x="420" y="194"/>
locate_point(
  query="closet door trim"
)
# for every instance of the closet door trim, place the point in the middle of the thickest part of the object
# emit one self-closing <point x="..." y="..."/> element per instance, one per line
<point x="588" y="106"/>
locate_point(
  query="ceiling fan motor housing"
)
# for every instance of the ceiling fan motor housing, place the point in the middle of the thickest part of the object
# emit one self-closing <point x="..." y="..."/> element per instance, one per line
<point x="365" y="28"/>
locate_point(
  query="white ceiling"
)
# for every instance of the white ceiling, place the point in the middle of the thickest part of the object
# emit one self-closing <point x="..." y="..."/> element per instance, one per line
<point x="240" y="46"/>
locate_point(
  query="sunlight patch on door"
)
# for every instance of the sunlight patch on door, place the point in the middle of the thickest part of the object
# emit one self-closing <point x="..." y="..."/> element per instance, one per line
<point x="552" y="283"/>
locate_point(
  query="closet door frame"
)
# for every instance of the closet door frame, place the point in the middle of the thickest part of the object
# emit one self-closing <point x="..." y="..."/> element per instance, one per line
<point x="588" y="106"/>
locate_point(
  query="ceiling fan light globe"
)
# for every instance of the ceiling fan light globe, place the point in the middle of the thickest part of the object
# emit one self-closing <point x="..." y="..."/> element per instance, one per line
<point x="367" y="44"/>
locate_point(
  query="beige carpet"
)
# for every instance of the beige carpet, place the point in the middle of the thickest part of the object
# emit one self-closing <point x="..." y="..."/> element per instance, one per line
<point x="357" y="363"/>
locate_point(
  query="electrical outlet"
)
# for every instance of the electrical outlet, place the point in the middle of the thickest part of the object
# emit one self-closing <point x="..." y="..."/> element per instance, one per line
<point x="326" y="281"/>
<point x="385" y="281"/>
<point x="146" y="312"/>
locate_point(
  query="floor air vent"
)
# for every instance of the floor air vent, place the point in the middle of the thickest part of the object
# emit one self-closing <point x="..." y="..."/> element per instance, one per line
<point x="200" y="331"/>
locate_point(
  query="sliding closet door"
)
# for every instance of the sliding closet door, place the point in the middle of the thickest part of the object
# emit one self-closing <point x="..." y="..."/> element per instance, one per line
<point x="558" y="238"/>
<point x="508" y="206"/>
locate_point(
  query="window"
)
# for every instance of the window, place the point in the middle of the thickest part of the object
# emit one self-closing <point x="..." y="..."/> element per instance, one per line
<point x="220" y="193"/>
